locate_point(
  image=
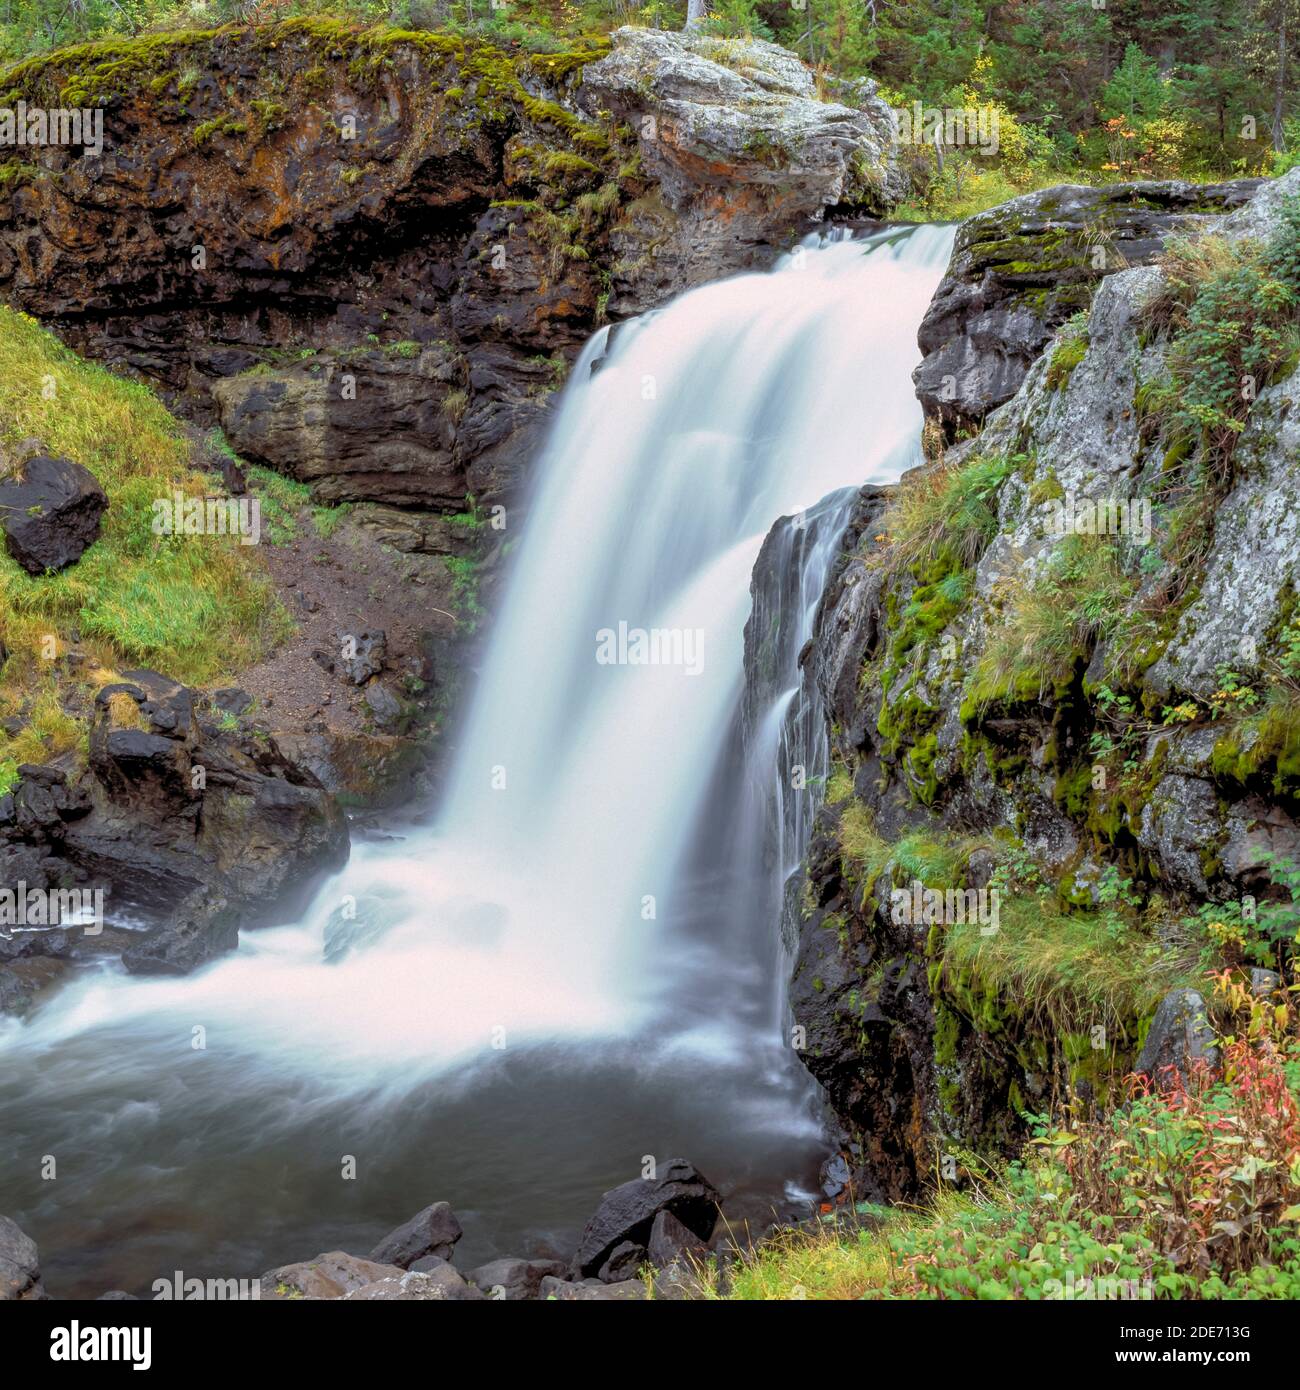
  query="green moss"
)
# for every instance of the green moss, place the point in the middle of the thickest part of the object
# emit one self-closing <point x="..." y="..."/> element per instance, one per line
<point x="1046" y="489"/>
<point x="1263" y="752"/>
<point x="1068" y="352"/>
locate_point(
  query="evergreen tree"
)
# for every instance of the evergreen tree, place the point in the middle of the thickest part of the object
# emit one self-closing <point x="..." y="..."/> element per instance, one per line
<point x="1136" y="90"/>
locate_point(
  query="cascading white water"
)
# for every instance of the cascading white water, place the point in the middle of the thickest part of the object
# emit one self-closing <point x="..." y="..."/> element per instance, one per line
<point x="600" y="885"/>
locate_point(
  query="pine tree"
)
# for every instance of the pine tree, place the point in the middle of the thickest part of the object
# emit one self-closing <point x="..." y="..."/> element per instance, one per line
<point x="1135" y="90"/>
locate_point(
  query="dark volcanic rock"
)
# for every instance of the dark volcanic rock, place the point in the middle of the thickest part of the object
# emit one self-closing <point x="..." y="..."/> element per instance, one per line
<point x="670" y="1241"/>
<point x="183" y="804"/>
<point x="50" y="513"/>
<point x="433" y="1231"/>
<point x="200" y="829"/>
<point x="627" y="1213"/>
<point x="1021" y="269"/>
<point x="624" y="1261"/>
<point x="202" y="929"/>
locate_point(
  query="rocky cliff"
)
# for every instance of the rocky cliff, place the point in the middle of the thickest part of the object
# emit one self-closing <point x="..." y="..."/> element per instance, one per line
<point x="371" y="253"/>
<point x="1060" y="673"/>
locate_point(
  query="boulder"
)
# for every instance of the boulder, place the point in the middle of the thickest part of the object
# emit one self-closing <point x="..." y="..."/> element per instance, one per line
<point x="514" y="1279"/>
<point x="671" y="1241"/>
<point x="50" y="512"/>
<point x="627" y="1213"/>
<point x="742" y="148"/>
<point x="1180" y="1039"/>
<point x="1018" y="271"/>
<point x="392" y="440"/>
<point x="180" y="803"/>
<point x="196" y="828"/>
<point x="20" y="1266"/>
<point x="624" y="1261"/>
<point x="443" y="1285"/>
<point x="433" y="1231"/>
<point x="334" y="1274"/>
<point x="199" y="931"/>
<point x="594" y="1292"/>
<point x="355" y="656"/>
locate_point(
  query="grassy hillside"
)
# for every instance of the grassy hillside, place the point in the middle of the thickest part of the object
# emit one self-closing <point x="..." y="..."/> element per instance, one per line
<point x="196" y="607"/>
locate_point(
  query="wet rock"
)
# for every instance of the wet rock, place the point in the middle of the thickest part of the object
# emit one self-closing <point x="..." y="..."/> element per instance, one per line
<point x="433" y="1231"/>
<point x="20" y="1266"/>
<point x="244" y="819"/>
<point x="370" y="769"/>
<point x="1180" y="1038"/>
<point x="194" y="827"/>
<point x="627" y="1213"/>
<point x="50" y="511"/>
<point x="199" y="931"/>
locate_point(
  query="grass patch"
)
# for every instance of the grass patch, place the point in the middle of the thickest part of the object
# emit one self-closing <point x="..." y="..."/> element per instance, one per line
<point x="197" y="607"/>
<point x="942" y="520"/>
<point x="1052" y="621"/>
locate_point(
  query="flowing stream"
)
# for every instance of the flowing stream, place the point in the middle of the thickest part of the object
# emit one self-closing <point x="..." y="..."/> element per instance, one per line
<point x="578" y="962"/>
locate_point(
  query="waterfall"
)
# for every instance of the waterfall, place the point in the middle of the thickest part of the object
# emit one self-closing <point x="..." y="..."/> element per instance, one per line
<point x="577" y="963"/>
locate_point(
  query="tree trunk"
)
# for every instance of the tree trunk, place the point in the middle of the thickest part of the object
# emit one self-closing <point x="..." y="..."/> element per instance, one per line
<point x="1279" y="91"/>
<point x="695" y="12"/>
